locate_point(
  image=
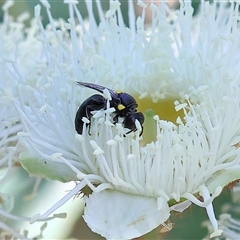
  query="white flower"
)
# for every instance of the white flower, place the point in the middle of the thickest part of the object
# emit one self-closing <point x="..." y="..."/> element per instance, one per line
<point x="14" y="55"/>
<point x="136" y="183"/>
<point x="10" y="146"/>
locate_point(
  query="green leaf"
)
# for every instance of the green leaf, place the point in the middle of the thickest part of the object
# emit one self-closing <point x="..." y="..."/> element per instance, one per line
<point x="48" y="169"/>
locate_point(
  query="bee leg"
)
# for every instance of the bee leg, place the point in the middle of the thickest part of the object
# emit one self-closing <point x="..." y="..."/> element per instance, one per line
<point x="129" y="122"/>
<point x="115" y="119"/>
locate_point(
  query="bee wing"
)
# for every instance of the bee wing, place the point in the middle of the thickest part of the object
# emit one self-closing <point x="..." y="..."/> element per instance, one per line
<point x="98" y="88"/>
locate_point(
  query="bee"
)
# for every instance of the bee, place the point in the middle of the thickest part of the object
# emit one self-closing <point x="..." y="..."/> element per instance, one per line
<point x="124" y="104"/>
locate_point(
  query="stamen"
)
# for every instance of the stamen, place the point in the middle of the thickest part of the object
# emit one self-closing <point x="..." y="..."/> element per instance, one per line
<point x="10" y="231"/>
<point x="73" y="192"/>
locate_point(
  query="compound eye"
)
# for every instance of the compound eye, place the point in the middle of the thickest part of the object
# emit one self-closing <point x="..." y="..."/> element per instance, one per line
<point x="133" y="109"/>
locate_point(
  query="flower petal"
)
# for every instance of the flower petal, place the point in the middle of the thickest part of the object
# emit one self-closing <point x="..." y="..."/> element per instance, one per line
<point x="113" y="214"/>
<point x="224" y="177"/>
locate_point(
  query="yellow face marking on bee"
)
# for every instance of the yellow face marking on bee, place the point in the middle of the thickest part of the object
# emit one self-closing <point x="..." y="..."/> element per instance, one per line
<point x="120" y="107"/>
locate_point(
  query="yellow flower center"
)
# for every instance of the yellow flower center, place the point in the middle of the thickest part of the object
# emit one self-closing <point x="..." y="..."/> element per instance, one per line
<point x="165" y="109"/>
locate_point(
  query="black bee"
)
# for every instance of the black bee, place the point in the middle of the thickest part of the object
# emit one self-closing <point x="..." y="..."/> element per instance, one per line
<point x="125" y="106"/>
